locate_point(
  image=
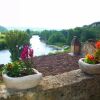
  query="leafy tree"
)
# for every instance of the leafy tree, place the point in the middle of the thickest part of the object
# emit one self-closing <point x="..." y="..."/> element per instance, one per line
<point x="64" y="32"/>
<point x="87" y="34"/>
<point x="57" y="37"/>
<point x="45" y="35"/>
<point x="70" y="36"/>
<point x="83" y="33"/>
<point x="28" y="31"/>
<point x="2" y="42"/>
<point x="77" y="32"/>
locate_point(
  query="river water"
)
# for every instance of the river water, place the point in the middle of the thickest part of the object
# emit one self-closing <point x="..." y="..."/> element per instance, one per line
<point x="39" y="47"/>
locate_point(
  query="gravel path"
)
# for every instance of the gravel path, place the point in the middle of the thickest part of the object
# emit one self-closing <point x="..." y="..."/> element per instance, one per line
<point x="56" y="64"/>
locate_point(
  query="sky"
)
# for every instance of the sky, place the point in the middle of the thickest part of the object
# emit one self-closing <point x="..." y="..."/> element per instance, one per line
<point x="52" y="14"/>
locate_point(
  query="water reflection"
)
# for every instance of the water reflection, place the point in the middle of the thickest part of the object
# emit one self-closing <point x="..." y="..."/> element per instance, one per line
<point x="4" y="56"/>
<point x="39" y="47"/>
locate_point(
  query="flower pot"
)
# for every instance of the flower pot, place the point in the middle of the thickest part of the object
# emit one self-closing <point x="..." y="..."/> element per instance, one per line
<point x="24" y="82"/>
<point x="89" y="68"/>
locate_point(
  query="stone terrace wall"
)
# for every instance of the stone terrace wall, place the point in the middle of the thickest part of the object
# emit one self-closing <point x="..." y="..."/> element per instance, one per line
<point x="89" y="47"/>
<point x="73" y="85"/>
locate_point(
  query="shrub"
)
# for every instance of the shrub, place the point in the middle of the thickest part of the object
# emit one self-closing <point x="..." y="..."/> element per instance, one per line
<point x="15" y="41"/>
<point x="23" y="66"/>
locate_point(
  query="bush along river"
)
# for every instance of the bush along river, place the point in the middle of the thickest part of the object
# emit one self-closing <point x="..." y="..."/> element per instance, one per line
<point x="39" y="47"/>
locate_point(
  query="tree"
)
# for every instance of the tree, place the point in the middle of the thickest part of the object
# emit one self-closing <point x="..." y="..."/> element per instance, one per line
<point x="77" y="32"/>
<point x="56" y="38"/>
<point x="87" y="34"/>
<point x="70" y="36"/>
<point x="64" y="32"/>
<point x="44" y="35"/>
<point x="28" y="31"/>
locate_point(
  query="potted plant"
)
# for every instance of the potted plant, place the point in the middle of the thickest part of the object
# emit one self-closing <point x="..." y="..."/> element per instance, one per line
<point x="91" y="63"/>
<point x="21" y="74"/>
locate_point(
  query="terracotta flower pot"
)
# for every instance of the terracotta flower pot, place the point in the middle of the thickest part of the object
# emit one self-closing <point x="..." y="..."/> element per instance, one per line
<point x="89" y="68"/>
<point x="24" y="82"/>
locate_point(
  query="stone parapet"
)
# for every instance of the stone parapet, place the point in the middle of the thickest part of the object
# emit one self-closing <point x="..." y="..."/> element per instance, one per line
<point x="73" y="85"/>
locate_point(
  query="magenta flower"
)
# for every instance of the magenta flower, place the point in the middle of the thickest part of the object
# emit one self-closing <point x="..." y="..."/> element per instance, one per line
<point x="26" y="52"/>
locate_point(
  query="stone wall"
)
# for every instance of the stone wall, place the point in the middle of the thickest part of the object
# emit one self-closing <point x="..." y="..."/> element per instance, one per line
<point x="88" y="47"/>
<point x="73" y="85"/>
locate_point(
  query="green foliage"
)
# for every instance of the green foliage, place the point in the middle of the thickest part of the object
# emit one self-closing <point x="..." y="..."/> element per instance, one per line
<point x="30" y="32"/>
<point x="62" y="37"/>
<point x="89" y="61"/>
<point x="67" y="49"/>
<point x="17" y="69"/>
<point x="45" y="35"/>
<point x="2" y="42"/>
<point x="2" y="36"/>
<point x="56" y="38"/>
<point x="64" y="32"/>
<point x="69" y="36"/>
<point x="15" y="41"/>
<point x="1" y="71"/>
<point x="97" y="56"/>
<point x="87" y="34"/>
<point x="57" y="52"/>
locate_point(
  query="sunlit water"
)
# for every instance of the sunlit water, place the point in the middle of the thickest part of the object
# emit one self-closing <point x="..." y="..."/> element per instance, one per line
<point x="39" y="47"/>
<point x="4" y="56"/>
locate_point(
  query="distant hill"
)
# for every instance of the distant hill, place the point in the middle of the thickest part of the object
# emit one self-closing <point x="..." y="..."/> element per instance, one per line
<point x="95" y="24"/>
<point x="3" y="29"/>
<point x="25" y="28"/>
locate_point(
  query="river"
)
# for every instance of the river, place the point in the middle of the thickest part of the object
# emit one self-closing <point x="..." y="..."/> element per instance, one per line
<point x="39" y="47"/>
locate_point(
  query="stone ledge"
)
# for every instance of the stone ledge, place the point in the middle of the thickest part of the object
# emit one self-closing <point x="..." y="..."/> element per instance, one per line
<point x="73" y="85"/>
<point x="64" y="79"/>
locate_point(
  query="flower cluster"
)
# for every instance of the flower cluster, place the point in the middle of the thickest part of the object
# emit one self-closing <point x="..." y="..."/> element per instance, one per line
<point x="23" y="66"/>
<point x="95" y="58"/>
<point x="26" y="53"/>
<point x="98" y="45"/>
<point x="27" y="56"/>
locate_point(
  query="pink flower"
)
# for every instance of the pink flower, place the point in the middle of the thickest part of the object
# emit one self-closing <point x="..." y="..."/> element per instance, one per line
<point x="26" y="52"/>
